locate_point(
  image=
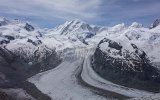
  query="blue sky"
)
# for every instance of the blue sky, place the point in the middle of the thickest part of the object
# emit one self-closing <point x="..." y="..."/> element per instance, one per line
<point x="49" y="13"/>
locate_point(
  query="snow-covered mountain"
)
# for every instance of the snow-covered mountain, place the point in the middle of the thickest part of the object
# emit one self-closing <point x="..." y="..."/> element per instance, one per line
<point x="126" y="48"/>
<point x="145" y="38"/>
<point x="155" y="23"/>
<point x="3" y="21"/>
<point x="26" y="50"/>
<point x="124" y="63"/>
<point x="23" y="51"/>
<point x="76" y="30"/>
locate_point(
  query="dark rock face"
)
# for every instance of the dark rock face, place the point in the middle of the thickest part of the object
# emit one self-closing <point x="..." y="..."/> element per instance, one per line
<point x="35" y="43"/>
<point x="17" y="69"/>
<point x="89" y="35"/>
<point x="125" y="67"/>
<point x="4" y="41"/>
<point x="29" y="27"/>
<point x="7" y="39"/>
<point x="4" y="96"/>
<point x="155" y="23"/>
<point x="3" y="22"/>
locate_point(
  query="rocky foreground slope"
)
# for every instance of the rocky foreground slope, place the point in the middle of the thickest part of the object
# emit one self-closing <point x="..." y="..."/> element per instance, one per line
<point x="124" y="63"/>
<point x="130" y="56"/>
<point x="22" y="53"/>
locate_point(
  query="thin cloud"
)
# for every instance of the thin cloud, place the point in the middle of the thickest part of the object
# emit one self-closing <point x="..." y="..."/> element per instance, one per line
<point x="55" y="8"/>
<point x="125" y="9"/>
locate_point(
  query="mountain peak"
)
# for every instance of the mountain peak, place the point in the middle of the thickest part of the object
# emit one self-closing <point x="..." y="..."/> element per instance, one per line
<point x="78" y="21"/>
<point x="73" y="26"/>
<point x="76" y="30"/>
<point x="29" y="27"/>
<point x="155" y="23"/>
<point x="118" y="27"/>
<point x="75" y="22"/>
<point x="2" y="18"/>
<point x="136" y="25"/>
<point x="3" y="21"/>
